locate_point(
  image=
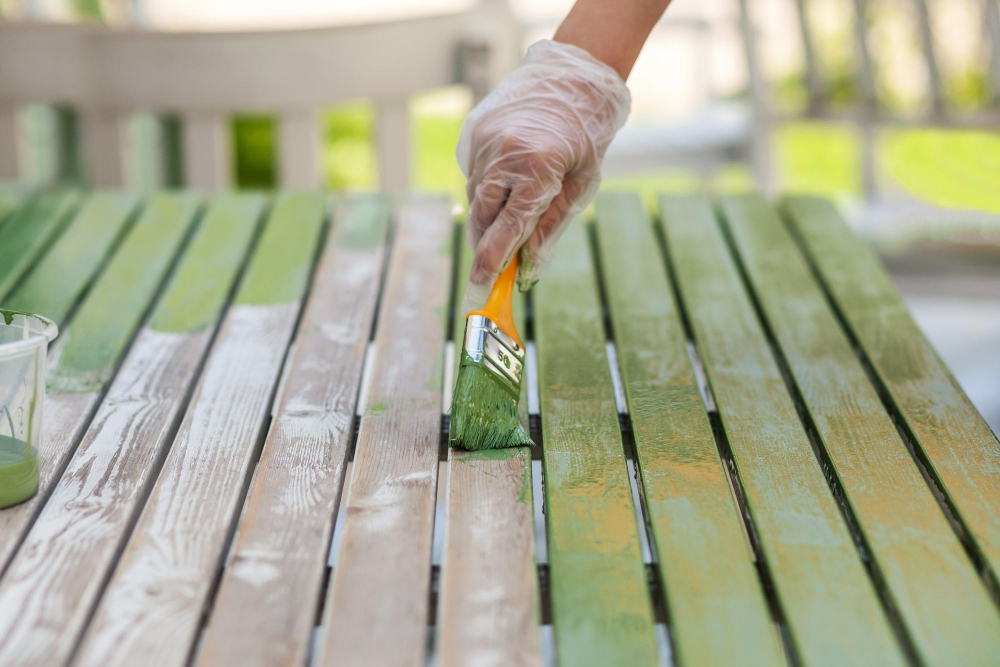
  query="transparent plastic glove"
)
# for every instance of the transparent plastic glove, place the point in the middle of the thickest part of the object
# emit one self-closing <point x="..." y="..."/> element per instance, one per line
<point x="532" y="151"/>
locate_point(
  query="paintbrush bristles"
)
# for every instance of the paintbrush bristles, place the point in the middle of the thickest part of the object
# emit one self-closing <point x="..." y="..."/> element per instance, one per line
<point x="483" y="411"/>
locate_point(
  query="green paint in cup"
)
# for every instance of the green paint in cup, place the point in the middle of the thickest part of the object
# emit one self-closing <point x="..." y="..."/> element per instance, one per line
<point x="24" y="340"/>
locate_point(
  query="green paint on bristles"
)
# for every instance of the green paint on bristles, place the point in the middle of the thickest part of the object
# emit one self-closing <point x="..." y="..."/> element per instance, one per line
<point x="484" y="410"/>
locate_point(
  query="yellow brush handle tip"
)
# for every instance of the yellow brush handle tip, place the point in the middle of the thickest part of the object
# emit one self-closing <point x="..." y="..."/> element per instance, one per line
<point x="499" y="306"/>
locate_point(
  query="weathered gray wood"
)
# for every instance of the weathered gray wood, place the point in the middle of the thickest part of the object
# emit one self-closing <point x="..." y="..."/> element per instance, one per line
<point x="50" y="587"/>
<point x="488" y="602"/>
<point x="377" y="606"/>
<point x="961" y="451"/>
<point x="823" y="588"/>
<point x="151" y="610"/>
<point x="712" y="589"/>
<point x="266" y="607"/>
<point x="601" y="609"/>
<point x="88" y="350"/>
<point x="938" y="594"/>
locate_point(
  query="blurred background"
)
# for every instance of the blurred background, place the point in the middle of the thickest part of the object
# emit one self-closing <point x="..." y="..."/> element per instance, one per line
<point x="892" y="107"/>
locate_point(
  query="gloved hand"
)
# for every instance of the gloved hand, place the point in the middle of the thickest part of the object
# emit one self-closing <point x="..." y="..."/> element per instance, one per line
<point x="532" y="151"/>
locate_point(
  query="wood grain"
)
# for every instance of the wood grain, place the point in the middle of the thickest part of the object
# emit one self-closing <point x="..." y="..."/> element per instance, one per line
<point x="601" y="609"/>
<point x="823" y="588"/>
<point x="74" y="259"/>
<point x="712" y="588"/>
<point x="151" y="610"/>
<point x="87" y="350"/>
<point x="961" y="450"/>
<point x="29" y="231"/>
<point x="939" y="596"/>
<point x="377" y="605"/>
<point x="266" y="607"/>
<point x="488" y="604"/>
<point x="50" y="587"/>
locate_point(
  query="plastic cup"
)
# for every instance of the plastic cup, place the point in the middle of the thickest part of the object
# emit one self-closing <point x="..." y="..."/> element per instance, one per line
<point x="24" y="340"/>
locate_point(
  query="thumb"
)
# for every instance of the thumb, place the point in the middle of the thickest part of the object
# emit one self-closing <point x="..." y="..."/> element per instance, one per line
<point x="475" y="296"/>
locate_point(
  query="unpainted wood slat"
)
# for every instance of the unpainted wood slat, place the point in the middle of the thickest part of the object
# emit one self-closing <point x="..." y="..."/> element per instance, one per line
<point x="712" y="588"/>
<point x="50" y="587"/>
<point x="960" y="449"/>
<point x="937" y="592"/>
<point x="266" y="607"/>
<point x="151" y="610"/>
<point x="74" y="259"/>
<point x="601" y="608"/>
<point x="377" y="606"/>
<point x="26" y="235"/>
<point x="488" y="606"/>
<point x="817" y="572"/>
<point x="86" y="352"/>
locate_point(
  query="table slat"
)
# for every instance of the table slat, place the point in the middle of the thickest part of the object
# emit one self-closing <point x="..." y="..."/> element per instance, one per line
<point x="488" y="607"/>
<point x="601" y="608"/>
<point x="54" y="581"/>
<point x="711" y="585"/>
<point x="937" y="592"/>
<point x="825" y="592"/>
<point x="29" y="231"/>
<point x="266" y="607"/>
<point x="151" y="611"/>
<point x="960" y="449"/>
<point x="12" y="196"/>
<point x="76" y="257"/>
<point x="86" y="351"/>
<point x="377" y="606"/>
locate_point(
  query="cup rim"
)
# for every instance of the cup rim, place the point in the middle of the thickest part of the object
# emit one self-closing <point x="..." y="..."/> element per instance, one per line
<point x="43" y="337"/>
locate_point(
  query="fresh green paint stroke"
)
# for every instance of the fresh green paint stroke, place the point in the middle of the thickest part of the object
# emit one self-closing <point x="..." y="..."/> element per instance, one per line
<point x="962" y="451"/>
<point x="28" y="233"/>
<point x="283" y="259"/>
<point x="57" y="280"/>
<point x="602" y="613"/>
<point x="818" y="576"/>
<point x="197" y="292"/>
<point x="113" y="309"/>
<point x="934" y="585"/>
<point x="711" y="586"/>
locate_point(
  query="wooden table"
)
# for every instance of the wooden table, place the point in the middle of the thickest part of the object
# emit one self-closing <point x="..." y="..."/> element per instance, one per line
<point x="749" y="452"/>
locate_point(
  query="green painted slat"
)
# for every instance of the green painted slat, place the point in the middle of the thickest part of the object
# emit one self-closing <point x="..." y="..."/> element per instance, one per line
<point x="282" y="261"/>
<point x="28" y="232"/>
<point x="711" y="585"/>
<point x="961" y="450"/>
<point x="828" y="600"/>
<point x="937" y="592"/>
<point x="196" y="293"/>
<point x="110" y="313"/>
<point x="60" y="277"/>
<point x="12" y="196"/>
<point x="601" y="610"/>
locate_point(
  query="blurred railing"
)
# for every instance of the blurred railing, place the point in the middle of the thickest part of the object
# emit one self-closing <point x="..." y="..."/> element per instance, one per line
<point x="108" y="75"/>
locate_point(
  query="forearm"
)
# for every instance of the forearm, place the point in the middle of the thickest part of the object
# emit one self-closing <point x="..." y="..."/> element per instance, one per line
<point x="613" y="31"/>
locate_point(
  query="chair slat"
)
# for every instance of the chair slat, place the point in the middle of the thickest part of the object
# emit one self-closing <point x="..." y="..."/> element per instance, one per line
<point x="961" y="451"/>
<point x="930" y="57"/>
<point x="152" y="608"/>
<point x="266" y="607"/>
<point x="393" y="138"/>
<point x="936" y="590"/>
<point x="601" y="608"/>
<point x="711" y="585"/>
<point x="104" y="141"/>
<point x="12" y="197"/>
<point x="207" y="151"/>
<point x="376" y="609"/>
<point x="300" y="138"/>
<point x="57" y="575"/>
<point x="26" y="235"/>
<point x="87" y="351"/>
<point x="817" y="573"/>
<point x="489" y="505"/>
<point x="55" y="283"/>
<point x="815" y="84"/>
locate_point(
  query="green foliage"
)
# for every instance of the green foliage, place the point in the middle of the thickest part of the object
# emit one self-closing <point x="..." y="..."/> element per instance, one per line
<point x="254" y="142"/>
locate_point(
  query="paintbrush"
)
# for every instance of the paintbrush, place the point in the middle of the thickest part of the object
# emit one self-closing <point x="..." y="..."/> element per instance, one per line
<point x="488" y="388"/>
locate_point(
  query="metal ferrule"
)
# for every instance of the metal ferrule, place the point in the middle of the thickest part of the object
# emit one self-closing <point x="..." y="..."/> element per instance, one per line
<point x="484" y="340"/>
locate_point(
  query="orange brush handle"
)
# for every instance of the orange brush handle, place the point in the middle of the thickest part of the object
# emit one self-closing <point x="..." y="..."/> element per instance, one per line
<point x="499" y="306"/>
